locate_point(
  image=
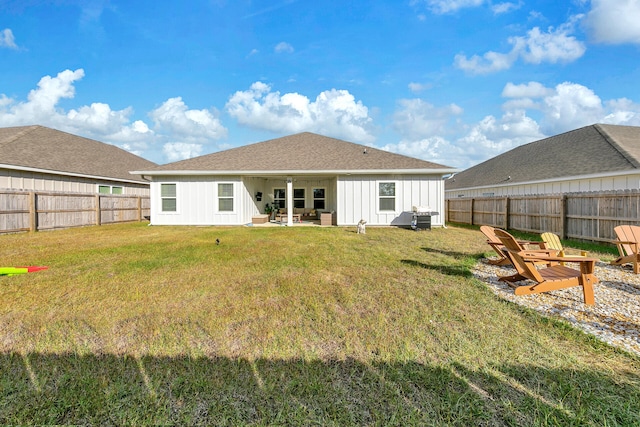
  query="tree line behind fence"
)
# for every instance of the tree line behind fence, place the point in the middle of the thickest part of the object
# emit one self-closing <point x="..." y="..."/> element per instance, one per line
<point x="580" y="216"/>
<point x="34" y="211"/>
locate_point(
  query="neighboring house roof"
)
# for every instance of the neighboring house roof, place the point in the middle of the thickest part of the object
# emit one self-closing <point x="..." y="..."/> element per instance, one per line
<point x="592" y="150"/>
<point x="300" y="153"/>
<point x="46" y="150"/>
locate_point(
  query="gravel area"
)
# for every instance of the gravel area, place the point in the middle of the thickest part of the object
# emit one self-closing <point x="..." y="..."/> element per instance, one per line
<point x="615" y="317"/>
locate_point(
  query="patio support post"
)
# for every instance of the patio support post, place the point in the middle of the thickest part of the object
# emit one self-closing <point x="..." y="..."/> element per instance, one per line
<point x="289" y="201"/>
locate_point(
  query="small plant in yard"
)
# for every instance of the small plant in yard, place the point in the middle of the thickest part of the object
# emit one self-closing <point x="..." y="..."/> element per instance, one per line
<point x="287" y="326"/>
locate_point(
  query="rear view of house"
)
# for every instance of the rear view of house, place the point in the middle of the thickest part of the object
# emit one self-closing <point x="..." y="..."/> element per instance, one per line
<point x="305" y="172"/>
<point x="37" y="158"/>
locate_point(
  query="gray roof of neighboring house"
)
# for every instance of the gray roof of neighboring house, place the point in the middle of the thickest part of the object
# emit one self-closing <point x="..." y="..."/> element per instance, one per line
<point x="53" y="151"/>
<point x="302" y="152"/>
<point x="595" y="149"/>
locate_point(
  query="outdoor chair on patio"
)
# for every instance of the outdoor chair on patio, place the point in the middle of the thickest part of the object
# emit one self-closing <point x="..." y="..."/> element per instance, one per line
<point x="552" y="277"/>
<point x="498" y="247"/>
<point x="628" y="242"/>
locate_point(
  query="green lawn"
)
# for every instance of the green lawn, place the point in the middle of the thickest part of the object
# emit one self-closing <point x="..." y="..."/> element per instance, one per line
<point x="134" y="324"/>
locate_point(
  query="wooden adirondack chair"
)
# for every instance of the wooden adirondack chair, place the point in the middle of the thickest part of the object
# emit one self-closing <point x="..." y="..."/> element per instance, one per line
<point x="628" y="243"/>
<point x="498" y="247"/>
<point x="550" y="278"/>
<point x="552" y="241"/>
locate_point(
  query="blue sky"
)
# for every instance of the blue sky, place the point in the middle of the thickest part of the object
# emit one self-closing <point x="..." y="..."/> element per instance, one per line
<point x="450" y="81"/>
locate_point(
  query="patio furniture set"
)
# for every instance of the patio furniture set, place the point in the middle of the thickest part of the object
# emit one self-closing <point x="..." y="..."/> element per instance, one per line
<point x="540" y="266"/>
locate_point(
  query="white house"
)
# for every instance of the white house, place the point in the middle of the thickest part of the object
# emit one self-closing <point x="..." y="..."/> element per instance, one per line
<point x="302" y="172"/>
<point x="44" y="159"/>
<point x="593" y="158"/>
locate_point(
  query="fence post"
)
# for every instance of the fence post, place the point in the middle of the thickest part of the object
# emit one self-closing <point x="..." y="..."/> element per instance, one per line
<point x="505" y="226"/>
<point x="33" y="213"/>
<point x="472" y="203"/>
<point x="98" y="216"/>
<point x="139" y="208"/>
<point x="563" y="216"/>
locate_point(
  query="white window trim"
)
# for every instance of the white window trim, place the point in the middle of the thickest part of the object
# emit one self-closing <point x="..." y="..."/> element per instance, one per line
<point x="395" y="197"/>
<point x="233" y="198"/>
<point x="163" y="212"/>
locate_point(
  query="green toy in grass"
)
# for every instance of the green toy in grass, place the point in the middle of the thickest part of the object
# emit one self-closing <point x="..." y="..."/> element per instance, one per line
<point x="12" y="271"/>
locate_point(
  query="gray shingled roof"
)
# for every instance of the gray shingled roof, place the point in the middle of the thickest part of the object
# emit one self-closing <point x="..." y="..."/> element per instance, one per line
<point x="39" y="147"/>
<point x="595" y="149"/>
<point x="302" y="152"/>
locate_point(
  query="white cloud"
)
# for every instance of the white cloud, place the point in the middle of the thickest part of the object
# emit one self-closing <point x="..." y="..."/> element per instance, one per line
<point x="532" y="111"/>
<point x="419" y="87"/>
<point x="40" y="106"/>
<point x="492" y="136"/>
<point x="7" y="39"/>
<point x="529" y="90"/>
<point x="570" y="107"/>
<point x="333" y="112"/>
<point x="434" y="149"/>
<point x="175" y="151"/>
<point x="174" y="117"/>
<point x="622" y="111"/>
<point x="423" y="127"/>
<point x="417" y="119"/>
<point x="614" y="21"/>
<point x="554" y="45"/>
<point x="489" y="62"/>
<point x="97" y="121"/>
<point x="283" y="47"/>
<point x="449" y="6"/>
<point x="505" y="7"/>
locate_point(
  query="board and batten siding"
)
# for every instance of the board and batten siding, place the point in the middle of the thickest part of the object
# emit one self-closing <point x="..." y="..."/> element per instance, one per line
<point x="597" y="184"/>
<point x="357" y="198"/>
<point x="197" y="201"/>
<point x="35" y="181"/>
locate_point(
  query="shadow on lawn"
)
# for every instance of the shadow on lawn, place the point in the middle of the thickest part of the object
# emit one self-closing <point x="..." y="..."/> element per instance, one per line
<point x="109" y="389"/>
<point x="454" y="254"/>
<point x="449" y="270"/>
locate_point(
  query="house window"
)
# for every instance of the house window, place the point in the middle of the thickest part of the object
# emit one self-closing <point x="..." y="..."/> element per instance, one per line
<point x="387" y="196"/>
<point x="298" y="198"/>
<point x="108" y="189"/>
<point x="318" y="198"/>
<point x="225" y="197"/>
<point x="279" y="199"/>
<point x="168" y="197"/>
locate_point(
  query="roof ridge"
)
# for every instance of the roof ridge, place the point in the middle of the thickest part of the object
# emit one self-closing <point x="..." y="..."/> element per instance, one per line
<point x="630" y="158"/>
<point x="18" y="135"/>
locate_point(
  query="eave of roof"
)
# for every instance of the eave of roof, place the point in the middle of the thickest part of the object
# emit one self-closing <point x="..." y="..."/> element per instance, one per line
<point x="546" y="181"/>
<point x="297" y="172"/>
<point x="76" y="175"/>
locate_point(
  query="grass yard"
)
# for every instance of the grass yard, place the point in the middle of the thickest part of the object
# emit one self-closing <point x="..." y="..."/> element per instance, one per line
<point x="287" y="326"/>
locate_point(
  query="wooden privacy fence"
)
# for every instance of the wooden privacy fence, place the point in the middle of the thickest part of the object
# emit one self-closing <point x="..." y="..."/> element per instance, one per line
<point x="33" y="211"/>
<point x="581" y="216"/>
